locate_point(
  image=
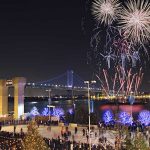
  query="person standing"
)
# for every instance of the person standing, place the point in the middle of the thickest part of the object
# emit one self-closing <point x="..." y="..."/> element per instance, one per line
<point x="21" y="131"/>
<point x="0" y="127"/>
<point x="83" y="132"/>
<point x="76" y="130"/>
<point x="14" y="128"/>
<point x="95" y="134"/>
<point x="87" y="137"/>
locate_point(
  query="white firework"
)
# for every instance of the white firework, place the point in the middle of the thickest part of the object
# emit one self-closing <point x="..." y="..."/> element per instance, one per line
<point x="106" y="11"/>
<point x="135" y="20"/>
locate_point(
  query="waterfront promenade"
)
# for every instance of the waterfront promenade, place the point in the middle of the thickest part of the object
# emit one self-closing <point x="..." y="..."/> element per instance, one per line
<point x="55" y="131"/>
<point x="105" y="138"/>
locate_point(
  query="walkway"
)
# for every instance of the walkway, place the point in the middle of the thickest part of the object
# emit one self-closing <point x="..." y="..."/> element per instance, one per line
<point x="56" y="131"/>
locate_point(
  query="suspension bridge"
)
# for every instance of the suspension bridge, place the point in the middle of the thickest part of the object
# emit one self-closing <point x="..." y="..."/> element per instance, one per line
<point x="66" y="81"/>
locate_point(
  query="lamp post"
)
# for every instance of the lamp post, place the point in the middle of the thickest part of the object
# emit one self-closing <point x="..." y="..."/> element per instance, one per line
<point x="49" y="101"/>
<point x="88" y="88"/>
<point x="50" y="106"/>
<point x="131" y="100"/>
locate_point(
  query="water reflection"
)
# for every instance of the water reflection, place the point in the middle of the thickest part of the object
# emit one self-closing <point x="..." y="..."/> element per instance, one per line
<point x="100" y="107"/>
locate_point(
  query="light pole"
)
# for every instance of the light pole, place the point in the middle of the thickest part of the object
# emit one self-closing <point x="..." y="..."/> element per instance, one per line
<point x="89" y="110"/>
<point x="49" y="101"/>
<point x="50" y="106"/>
<point x="131" y="100"/>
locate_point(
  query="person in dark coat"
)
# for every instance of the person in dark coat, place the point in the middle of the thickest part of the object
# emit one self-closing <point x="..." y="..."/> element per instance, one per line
<point x="14" y="128"/>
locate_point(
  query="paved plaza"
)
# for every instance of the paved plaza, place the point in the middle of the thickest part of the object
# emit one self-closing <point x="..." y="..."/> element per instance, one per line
<point x="56" y="131"/>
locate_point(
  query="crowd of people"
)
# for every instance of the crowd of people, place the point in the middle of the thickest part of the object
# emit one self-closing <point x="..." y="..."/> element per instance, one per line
<point x="11" y="140"/>
<point x="59" y="144"/>
<point x="67" y="139"/>
<point x="48" y="123"/>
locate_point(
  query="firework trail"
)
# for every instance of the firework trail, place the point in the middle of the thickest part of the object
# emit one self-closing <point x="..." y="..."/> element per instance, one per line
<point x="114" y="82"/>
<point x="135" y="58"/>
<point x="102" y="85"/>
<point x="115" y="49"/>
<point x="108" y="58"/>
<point x="120" y="84"/>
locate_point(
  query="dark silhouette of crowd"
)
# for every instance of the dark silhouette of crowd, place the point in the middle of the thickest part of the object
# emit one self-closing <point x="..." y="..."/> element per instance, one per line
<point x="11" y="140"/>
<point x="59" y="144"/>
<point x="48" y="123"/>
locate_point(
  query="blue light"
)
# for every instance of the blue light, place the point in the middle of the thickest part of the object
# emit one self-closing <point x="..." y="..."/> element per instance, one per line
<point x="131" y="99"/>
<point x="144" y="117"/>
<point x="125" y="118"/>
<point x="45" y="112"/>
<point x="58" y="112"/>
<point x="70" y="111"/>
<point x="34" y="112"/>
<point x="108" y="116"/>
<point x="55" y="112"/>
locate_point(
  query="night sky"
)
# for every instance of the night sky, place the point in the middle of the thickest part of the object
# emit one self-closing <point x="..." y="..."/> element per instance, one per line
<point x="42" y="39"/>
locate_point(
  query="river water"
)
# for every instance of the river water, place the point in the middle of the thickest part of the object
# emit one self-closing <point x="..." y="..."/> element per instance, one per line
<point x="100" y="107"/>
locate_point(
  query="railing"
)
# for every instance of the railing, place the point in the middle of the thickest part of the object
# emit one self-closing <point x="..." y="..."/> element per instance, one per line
<point x="13" y="122"/>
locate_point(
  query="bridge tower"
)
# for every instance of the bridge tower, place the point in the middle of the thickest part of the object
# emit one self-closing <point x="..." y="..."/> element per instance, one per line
<point x="70" y="82"/>
<point x="70" y="78"/>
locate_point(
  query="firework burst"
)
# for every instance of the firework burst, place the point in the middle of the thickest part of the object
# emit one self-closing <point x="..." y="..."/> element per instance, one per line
<point x="106" y="11"/>
<point x="121" y="83"/>
<point x="135" y="20"/>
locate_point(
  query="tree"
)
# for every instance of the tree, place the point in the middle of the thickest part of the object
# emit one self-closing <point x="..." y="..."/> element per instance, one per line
<point x="138" y="143"/>
<point x="33" y="140"/>
<point x="128" y="143"/>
